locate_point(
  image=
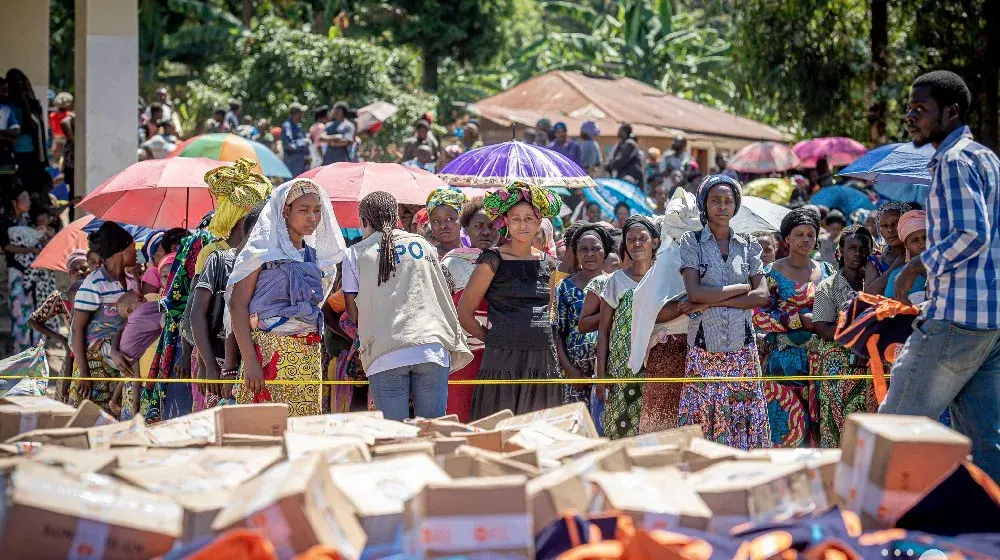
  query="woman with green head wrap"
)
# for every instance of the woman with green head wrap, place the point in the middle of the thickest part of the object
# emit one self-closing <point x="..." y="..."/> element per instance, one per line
<point x="514" y="280"/>
<point x="443" y="208"/>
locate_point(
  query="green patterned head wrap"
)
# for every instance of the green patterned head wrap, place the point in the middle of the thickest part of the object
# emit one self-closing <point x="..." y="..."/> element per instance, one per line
<point x="498" y="203"/>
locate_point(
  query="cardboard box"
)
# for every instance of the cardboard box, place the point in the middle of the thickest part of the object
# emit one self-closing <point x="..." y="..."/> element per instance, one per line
<point x="655" y="457"/>
<point x="542" y="435"/>
<point x="120" y="434"/>
<point x="333" y="449"/>
<point x="89" y="415"/>
<point x="754" y="491"/>
<point x="470" y="518"/>
<point x="702" y="453"/>
<point x="821" y="464"/>
<point x="378" y="490"/>
<point x="470" y="461"/>
<point x="75" y="438"/>
<point x="236" y="466"/>
<point x="442" y="428"/>
<point x="394" y="449"/>
<point x="566" y="487"/>
<point x="54" y="514"/>
<point x="490" y="422"/>
<point x="201" y="494"/>
<point x="270" y="419"/>
<point x="655" y="499"/>
<point x="527" y="456"/>
<point x="495" y="440"/>
<point x="327" y="423"/>
<point x="24" y="414"/>
<point x="297" y="507"/>
<point x="447" y="446"/>
<point x="74" y="461"/>
<point x="890" y="461"/>
<point x="573" y="418"/>
<point x="197" y="428"/>
<point x="677" y="436"/>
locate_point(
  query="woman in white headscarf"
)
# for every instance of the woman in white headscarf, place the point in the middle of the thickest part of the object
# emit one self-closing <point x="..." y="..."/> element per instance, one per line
<point x="275" y="292"/>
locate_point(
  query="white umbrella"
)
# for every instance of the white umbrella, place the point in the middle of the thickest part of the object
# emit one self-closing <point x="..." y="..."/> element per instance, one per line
<point x="758" y="215"/>
<point x="371" y="115"/>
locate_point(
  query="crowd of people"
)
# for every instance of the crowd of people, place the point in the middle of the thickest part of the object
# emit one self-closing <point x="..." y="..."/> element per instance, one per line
<point x="506" y="288"/>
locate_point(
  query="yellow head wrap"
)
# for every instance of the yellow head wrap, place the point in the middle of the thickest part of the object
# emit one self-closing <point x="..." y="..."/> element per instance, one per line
<point x="237" y="190"/>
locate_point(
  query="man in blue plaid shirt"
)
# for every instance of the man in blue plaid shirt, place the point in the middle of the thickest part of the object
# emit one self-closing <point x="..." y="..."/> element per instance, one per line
<point x="952" y="359"/>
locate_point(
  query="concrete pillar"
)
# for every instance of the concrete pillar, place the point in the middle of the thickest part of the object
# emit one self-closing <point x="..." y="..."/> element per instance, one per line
<point x="107" y="89"/>
<point x="24" y="42"/>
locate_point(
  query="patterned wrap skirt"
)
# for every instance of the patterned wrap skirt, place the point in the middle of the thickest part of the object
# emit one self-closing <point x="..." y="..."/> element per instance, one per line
<point x="838" y="398"/>
<point x="730" y="413"/>
<point x="292" y="358"/>
<point x="100" y="391"/>
<point x="661" y="401"/>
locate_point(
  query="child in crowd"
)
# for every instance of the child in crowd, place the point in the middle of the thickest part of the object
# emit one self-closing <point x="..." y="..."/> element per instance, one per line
<point x="769" y="247"/>
<point x="143" y="325"/>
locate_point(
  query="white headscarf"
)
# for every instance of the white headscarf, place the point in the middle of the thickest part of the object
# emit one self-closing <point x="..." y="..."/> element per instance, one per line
<point x="269" y="240"/>
<point x="663" y="281"/>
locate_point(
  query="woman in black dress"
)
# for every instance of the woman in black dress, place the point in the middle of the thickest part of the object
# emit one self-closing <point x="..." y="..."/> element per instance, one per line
<point x="514" y="279"/>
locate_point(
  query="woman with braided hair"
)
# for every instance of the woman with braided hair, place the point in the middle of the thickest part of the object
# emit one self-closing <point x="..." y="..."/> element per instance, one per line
<point x="275" y="291"/>
<point x="408" y="332"/>
<point x="514" y="280"/>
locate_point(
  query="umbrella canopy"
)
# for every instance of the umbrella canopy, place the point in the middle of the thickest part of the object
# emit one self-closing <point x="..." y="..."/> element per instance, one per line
<point x="371" y="117"/>
<point x="903" y="192"/>
<point x="776" y="189"/>
<point x="70" y="238"/>
<point x="230" y="147"/>
<point x="615" y="191"/>
<point x="837" y="151"/>
<point x="844" y="198"/>
<point x="895" y="163"/>
<point x="348" y="183"/>
<point x="501" y="164"/>
<point x="758" y="215"/>
<point x="764" y="157"/>
<point x="156" y="193"/>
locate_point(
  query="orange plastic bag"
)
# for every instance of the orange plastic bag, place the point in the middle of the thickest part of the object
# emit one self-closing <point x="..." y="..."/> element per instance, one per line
<point x="238" y="544"/>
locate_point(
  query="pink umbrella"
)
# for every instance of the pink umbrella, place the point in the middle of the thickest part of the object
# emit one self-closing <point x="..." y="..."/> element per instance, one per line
<point x="764" y="157"/>
<point x="348" y="183"/>
<point x="837" y="150"/>
<point x="156" y="193"/>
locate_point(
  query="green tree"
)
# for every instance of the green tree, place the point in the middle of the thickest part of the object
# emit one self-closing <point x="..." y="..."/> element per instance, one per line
<point x="471" y="31"/>
<point x="278" y="65"/>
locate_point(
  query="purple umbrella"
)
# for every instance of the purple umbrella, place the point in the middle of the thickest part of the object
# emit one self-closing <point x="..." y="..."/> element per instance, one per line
<point x="501" y="164"/>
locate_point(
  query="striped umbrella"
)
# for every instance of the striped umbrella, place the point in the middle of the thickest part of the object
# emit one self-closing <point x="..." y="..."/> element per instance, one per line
<point x="764" y="157"/>
<point x="837" y="151"/>
<point x="230" y="147"/>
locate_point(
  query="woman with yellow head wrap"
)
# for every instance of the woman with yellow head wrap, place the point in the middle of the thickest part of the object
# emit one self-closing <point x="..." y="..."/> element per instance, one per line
<point x="237" y="190"/>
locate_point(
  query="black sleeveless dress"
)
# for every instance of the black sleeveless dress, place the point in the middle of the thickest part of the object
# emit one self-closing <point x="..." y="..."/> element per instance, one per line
<point x="520" y="343"/>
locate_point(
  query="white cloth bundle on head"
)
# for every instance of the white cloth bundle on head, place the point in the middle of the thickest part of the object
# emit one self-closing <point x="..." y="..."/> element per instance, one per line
<point x="663" y="281"/>
<point x="269" y="240"/>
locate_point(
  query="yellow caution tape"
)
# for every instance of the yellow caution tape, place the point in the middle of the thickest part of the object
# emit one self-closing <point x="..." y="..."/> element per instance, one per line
<point x="560" y="381"/>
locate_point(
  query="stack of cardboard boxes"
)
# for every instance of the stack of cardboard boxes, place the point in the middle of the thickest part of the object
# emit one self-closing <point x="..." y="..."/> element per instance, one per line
<point x="80" y="485"/>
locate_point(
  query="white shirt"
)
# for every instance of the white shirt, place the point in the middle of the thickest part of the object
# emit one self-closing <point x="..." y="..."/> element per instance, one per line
<point x="423" y="353"/>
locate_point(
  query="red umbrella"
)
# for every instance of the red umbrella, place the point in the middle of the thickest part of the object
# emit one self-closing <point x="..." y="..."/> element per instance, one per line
<point x="156" y="193"/>
<point x="764" y="157"/>
<point x="838" y="151"/>
<point x="70" y="238"/>
<point x="348" y="183"/>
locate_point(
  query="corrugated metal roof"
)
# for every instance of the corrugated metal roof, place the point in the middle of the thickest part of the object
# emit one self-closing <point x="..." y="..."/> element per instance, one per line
<point x="573" y="98"/>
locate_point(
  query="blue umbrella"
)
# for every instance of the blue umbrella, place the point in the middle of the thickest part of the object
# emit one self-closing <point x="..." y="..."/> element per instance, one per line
<point x="616" y="191"/>
<point x="844" y="198"/>
<point x="903" y="192"/>
<point x="898" y="163"/>
<point x="139" y="233"/>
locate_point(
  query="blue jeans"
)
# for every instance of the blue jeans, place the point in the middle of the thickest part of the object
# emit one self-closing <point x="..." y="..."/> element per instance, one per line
<point x="944" y="365"/>
<point x="427" y="383"/>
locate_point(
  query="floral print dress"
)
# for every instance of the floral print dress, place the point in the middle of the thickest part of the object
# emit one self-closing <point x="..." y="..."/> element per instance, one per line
<point x="791" y="405"/>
